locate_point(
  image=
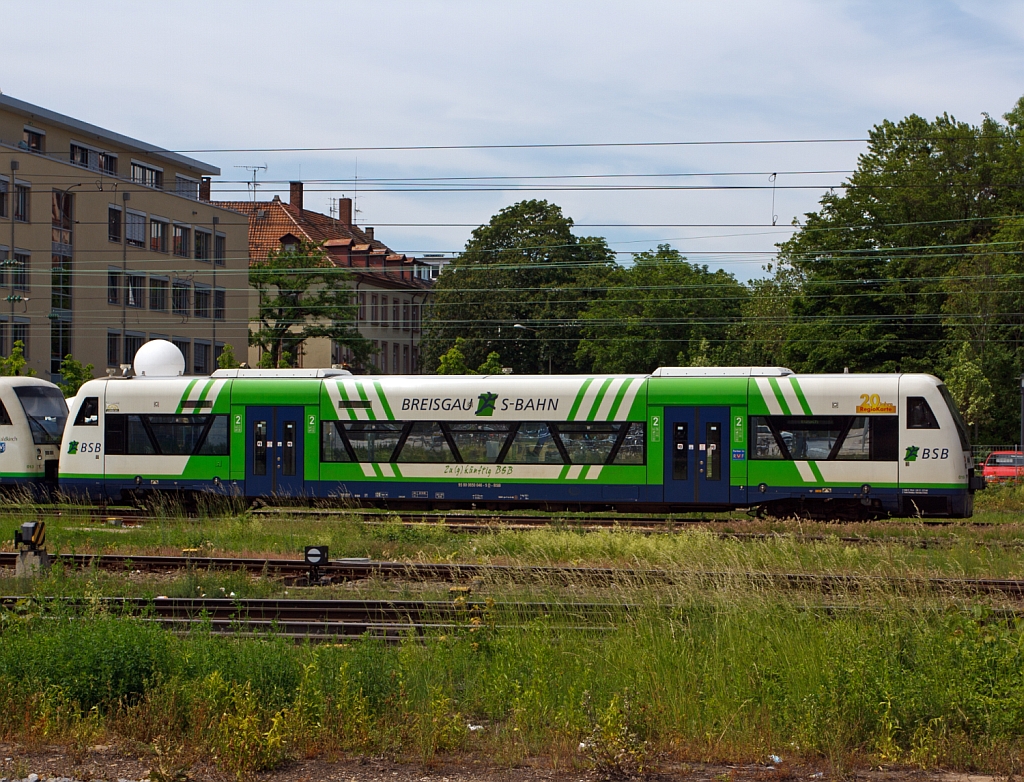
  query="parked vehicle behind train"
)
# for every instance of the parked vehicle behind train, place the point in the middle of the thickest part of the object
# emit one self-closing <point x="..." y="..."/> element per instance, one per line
<point x="679" y="439"/>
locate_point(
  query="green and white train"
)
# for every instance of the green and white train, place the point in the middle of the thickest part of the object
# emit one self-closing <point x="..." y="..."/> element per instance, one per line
<point x="679" y="439"/>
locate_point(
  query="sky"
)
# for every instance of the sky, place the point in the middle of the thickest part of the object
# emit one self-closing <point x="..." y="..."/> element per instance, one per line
<point x="243" y="80"/>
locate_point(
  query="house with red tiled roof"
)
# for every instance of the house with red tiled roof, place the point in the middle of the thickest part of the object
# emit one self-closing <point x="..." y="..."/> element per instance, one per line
<point x="390" y="288"/>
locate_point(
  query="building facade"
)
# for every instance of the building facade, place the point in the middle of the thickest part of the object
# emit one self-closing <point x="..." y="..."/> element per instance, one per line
<point x="107" y="242"/>
<point x="389" y="289"/>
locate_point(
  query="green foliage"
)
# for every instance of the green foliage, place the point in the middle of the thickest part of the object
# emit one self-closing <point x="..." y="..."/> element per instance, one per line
<point x="226" y="359"/>
<point x="453" y="362"/>
<point x="14" y="364"/>
<point x="73" y="375"/>
<point x="525" y="266"/>
<point x="302" y="295"/>
<point x="969" y="387"/>
<point x="661" y="311"/>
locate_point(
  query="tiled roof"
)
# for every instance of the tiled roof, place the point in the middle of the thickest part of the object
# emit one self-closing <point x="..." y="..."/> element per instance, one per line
<point x="271" y="220"/>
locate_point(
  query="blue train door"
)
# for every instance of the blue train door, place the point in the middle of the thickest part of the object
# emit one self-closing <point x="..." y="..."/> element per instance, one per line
<point x="273" y="451"/>
<point x="696" y="454"/>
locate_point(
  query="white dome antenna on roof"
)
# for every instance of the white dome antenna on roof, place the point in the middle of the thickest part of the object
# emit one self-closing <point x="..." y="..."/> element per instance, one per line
<point x="159" y="358"/>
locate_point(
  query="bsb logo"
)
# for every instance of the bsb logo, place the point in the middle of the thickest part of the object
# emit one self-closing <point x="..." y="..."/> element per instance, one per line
<point x="73" y="446"/>
<point x="485" y="406"/>
<point x="911" y="454"/>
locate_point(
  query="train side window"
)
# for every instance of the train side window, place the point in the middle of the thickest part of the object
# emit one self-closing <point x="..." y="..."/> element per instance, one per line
<point x="426" y="443"/>
<point x="5" y="418"/>
<point x="373" y="441"/>
<point x="137" y="437"/>
<point x="589" y="443"/>
<point x="533" y="444"/>
<point x="334" y="446"/>
<point x="288" y="449"/>
<point x="89" y="412"/>
<point x="259" y="448"/>
<point x="680" y="451"/>
<point x="919" y="414"/>
<point x="479" y="443"/>
<point x="114" y="434"/>
<point x="216" y="442"/>
<point x="631" y="445"/>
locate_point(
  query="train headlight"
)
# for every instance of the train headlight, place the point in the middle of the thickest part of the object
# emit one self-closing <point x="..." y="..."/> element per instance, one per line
<point x="865" y="489"/>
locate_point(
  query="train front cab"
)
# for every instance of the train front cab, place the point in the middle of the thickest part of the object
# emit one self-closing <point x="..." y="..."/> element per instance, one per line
<point x="936" y="469"/>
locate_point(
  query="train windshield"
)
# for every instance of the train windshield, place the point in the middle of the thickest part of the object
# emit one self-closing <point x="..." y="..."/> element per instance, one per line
<point x="46" y="412"/>
<point x="961" y="428"/>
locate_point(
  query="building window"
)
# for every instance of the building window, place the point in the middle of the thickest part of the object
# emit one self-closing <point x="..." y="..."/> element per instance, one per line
<point x="219" y="249"/>
<point x="19" y="333"/>
<point x="405" y="316"/>
<point x="93" y="159"/>
<point x="218" y="304"/>
<point x="135" y="229"/>
<point x="19" y="271"/>
<point x="394" y="359"/>
<point x="157" y="294"/>
<point x="180" y="298"/>
<point x="60" y="343"/>
<point x="202" y="302"/>
<point x="60" y="282"/>
<point x="384" y="314"/>
<point x="184" y="186"/>
<point x="113" y="348"/>
<point x="3" y="197"/>
<point x="33" y="141"/>
<point x="60" y="217"/>
<point x="158" y="236"/>
<point x="114" y="224"/>
<point x="373" y="308"/>
<point x="147" y="175"/>
<point x="185" y="346"/>
<point x="201" y="352"/>
<point x="396" y="314"/>
<point x="415" y="359"/>
<point x="362" y="306"/>
<point x="405" y="359"/>
<point x="132" y="342"/>
<point x="416" y="318"/>
<point x="181" y="237"/>
<point x="135" y="290"/>
<point x="3" y="274"/>
<point x="113" y="286"/>
<point x="202" y="245"/>
<point x="384" y="357"/>
<point x="21" y="203"/>
<point x="217" y="350"/>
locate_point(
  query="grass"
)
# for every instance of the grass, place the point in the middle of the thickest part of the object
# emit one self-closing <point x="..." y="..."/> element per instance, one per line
<point x="737" y="675"/>
<point x="727" y="671"/>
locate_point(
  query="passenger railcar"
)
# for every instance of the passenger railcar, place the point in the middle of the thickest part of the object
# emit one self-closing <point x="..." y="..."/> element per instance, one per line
<point x="32" y="418"/>
<point x="676" y="440"/>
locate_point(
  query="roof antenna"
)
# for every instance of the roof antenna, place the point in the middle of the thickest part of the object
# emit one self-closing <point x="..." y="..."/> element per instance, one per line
<point x="254" y="184"/>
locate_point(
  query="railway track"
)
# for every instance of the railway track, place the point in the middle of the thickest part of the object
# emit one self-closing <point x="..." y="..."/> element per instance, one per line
<point x="353" y="570"/>
<point x="328" y="620"/>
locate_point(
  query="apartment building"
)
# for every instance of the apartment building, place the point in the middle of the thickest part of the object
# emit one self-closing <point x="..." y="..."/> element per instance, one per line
<point x="107" y="242"/>
<point x="389" y="288"/>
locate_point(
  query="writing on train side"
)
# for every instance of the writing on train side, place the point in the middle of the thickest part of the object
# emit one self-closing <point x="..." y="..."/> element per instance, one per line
<point x="74" y="446"/>
<point x="914" y="451"/>
<point x="518" y="404"/>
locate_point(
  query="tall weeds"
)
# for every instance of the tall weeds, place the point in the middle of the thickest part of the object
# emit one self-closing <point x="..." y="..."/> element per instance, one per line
<point x="733" y="673"/>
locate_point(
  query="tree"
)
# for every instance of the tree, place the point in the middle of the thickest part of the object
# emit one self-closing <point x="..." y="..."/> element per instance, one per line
<point x="969" y="388"/>
<point x="453" y="362"/>
<point x="73" y="375"/>
<point x="303" y="295"/>
<point x="226" y="359"/>
<point x="662" y="311"/>
<point x="14" y="364"/>
<point x="525" y="266"/>
<point x="874" y="257"/>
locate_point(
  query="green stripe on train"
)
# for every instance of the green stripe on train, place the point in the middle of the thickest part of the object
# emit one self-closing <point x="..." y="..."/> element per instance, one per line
<point x="579" y="399"/>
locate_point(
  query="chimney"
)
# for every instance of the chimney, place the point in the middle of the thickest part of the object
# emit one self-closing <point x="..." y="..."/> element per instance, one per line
<point x="295" y="194"/>
<point x="369" y="232"/>
<point x="204" y="189"/>
<point x="345" y="211"/>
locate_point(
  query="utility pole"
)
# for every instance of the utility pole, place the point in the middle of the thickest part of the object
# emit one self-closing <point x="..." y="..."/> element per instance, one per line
<point x="12" y="189"/>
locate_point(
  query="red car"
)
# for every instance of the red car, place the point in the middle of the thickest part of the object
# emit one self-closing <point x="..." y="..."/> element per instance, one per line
<point x="1002" y="466"/>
